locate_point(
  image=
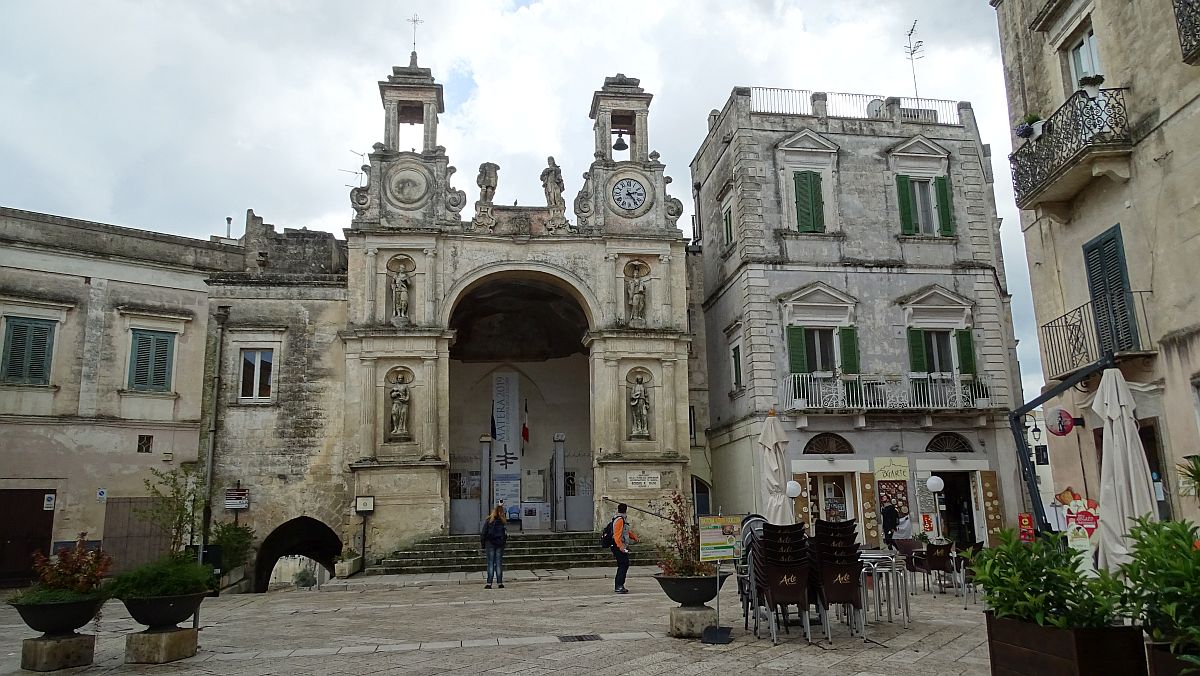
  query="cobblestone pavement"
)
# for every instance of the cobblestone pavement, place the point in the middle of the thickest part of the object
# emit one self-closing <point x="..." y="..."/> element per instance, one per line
<point x="458" y="627"/>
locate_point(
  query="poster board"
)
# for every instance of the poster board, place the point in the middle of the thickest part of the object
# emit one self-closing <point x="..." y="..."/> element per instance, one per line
<point x="507" y="488"/>
<point x="720" y="537"/>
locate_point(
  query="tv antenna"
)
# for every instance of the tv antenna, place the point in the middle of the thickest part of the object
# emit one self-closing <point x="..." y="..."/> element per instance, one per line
<point x="913" y="52"/>
<point x="361" y="172"/>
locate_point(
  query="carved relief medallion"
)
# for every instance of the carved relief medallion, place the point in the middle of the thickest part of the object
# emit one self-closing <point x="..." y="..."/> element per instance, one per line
<point x="407" y="185"/>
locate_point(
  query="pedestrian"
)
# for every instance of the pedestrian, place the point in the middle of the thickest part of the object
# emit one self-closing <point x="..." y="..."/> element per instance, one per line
<point x="493" y="537"/>
<point x="891" y="520"/>
<point x="622" y="535"/>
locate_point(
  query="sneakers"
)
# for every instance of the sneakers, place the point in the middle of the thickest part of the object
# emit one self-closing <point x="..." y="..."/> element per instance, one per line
<point x="621" y="590"/>
<point x="487" y="586"/>
<point x="501" y="585"/>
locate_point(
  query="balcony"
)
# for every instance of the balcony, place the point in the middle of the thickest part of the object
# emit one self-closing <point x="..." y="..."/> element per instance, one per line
<point x="1116" y="324"/>
<point x="1187" y="21"/>
<point x="772" y="101"/>
<point x="1083" y="139"/>
<point x="926" y="391"/>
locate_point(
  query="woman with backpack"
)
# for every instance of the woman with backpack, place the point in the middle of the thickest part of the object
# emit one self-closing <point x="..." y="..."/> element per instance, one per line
<point x="493" y="537"/>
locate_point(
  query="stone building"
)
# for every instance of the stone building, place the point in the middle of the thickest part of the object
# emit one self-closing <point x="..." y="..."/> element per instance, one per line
<point x="853" y="282"/>
<point x="450" y="352"/>
<point x="102" y="378"/>
<point x="1106" y="185"/>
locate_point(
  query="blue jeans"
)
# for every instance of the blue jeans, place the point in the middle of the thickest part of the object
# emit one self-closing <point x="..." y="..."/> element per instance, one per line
<point x="495" y="563"/>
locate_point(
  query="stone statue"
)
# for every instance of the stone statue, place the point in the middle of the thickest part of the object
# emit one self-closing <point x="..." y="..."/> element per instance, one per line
<point x="636" y="300"/>
<point x="400" y="293"/>
<point x="552" y="184"/>
<point x="399" y="395"/>
<point x="639" y="402"/>
<point x="487" y="179"/>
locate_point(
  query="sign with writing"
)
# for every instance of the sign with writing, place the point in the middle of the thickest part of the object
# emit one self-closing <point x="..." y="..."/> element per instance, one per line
<point x="507" y="489"/>
<point x="1025" y="524"/>
<point x="506" y="424"/>
<point x="927" y="523"/>
<point x="237" y="498"/>
<point x="891" y="469"/>
<point x="48" y="502"/>
<point x="1087" y="519"/>
<point x="720" y="537"/>
<point x="1060" y="422"/>
<point x="643" y="478"/>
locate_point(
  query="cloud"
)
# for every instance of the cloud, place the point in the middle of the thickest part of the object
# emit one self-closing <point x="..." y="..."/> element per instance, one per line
<point x="172" y="116"/>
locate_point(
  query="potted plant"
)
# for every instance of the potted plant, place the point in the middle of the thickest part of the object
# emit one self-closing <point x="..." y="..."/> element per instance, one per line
<point x="347" y="563"/>
<point x="1163" y="578"/>
<point x="684" y="578"/>
<point x="1046" y="616"/>
<point x="164" y="593"/>
<point x="1030" y="126"/>
<point x="1090" y="84"/>
<point x="67" y="593"/>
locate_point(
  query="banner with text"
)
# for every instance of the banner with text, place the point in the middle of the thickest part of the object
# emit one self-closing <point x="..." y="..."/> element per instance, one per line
<point x="506" y="449"/>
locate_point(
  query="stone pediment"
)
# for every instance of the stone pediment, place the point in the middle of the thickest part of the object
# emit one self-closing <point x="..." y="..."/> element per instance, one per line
<point x="920" y="146"/>
<point x="820" y="293"/>
<point x="819" y="304"/>
<point x="809" y="141"/>
<point x="933" y="295"/>
<point x="936" y="307"/>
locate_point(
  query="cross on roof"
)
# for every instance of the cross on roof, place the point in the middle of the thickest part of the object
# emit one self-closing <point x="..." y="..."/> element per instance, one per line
<point x="414" y="21"/>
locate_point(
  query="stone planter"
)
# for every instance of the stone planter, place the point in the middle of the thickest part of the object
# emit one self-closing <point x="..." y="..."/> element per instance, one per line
<point x="58" y="619"/>
<point x="691" y="592"/>
<point x="1037" y="129"/>
<point x="1162" y="661"/>
<point x="164" y="612"/>
<point x="1025" y="648"/>
<point x="1092" y="91"/>
<point x="348" y="567"/>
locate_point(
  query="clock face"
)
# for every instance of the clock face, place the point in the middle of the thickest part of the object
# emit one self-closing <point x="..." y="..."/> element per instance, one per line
<point x="629" y="194"/>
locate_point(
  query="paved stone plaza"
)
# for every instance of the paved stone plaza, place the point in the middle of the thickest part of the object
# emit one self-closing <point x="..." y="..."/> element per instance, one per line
<point x="435" y="625"/>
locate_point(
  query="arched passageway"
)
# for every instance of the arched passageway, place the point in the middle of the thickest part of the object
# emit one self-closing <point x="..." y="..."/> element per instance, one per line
<point x="304" y="536"/>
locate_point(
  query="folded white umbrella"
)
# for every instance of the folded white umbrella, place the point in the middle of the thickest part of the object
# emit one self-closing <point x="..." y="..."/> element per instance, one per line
<point x="773" y="441"/>
<point x="1126" y="488"/>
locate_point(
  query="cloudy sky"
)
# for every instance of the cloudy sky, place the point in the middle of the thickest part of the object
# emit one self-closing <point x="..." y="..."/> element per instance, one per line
<point x="171" y="116"/>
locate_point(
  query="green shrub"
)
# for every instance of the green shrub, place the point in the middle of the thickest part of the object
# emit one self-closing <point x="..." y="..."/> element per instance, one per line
<point x="170" y="576"/>
<point x="304" y="578"/>
<point x="235" y="542"/>
<point x="1040" y="582"/>
<point x="38" y="595"/>
<point x="1163" y="575"/>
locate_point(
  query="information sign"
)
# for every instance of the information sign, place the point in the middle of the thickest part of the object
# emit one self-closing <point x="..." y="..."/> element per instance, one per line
<point x="237" y="498"/>
<point x="644" y="479"/>
<point x="720" y="537"/>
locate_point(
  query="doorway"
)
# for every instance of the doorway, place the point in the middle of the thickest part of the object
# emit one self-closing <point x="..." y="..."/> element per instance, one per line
<point x="957" y="508"/>
<point x="1148" y="434"/>
<point x="26" y="528"/>
<point x="832" y="497"/>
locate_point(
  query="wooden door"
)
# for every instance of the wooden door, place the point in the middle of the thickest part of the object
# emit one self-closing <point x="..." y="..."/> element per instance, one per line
<point x="129" y="538"/>
<point x="27" y="527"/>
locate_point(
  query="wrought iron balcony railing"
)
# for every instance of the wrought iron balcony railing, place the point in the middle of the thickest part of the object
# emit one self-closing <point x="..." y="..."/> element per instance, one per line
<point x="1080" y="126"/>
<point x="1116" y="324"/>
<point x="1187" y="21"/>
<point x="816" y="391"/>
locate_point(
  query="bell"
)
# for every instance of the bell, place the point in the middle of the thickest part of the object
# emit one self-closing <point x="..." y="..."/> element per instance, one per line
<point x="620" y="144"/>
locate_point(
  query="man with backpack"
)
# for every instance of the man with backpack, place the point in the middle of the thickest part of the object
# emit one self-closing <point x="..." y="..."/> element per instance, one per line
<point x="617" y="535"/>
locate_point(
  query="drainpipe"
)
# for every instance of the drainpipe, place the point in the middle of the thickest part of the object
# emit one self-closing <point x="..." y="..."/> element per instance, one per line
<point x="221" y="316"/>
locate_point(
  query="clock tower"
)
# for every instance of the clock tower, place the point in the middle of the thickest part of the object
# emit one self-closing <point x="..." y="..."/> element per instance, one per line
<point x="625" y="195"/>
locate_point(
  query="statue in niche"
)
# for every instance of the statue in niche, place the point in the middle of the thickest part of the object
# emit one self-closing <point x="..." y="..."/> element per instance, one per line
<point x="487" y="181"/>
<point x="635" y="296"/>
<point x="552" y="185"/>
<point x="401" y="290"/>
<point x="639" y="404"/>
<point x="400" y="395"/>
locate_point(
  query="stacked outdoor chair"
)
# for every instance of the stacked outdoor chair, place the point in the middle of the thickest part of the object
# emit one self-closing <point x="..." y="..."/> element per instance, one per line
<point x="936" y="559"/>
<point x="780" y="568"/>
<point x="966" y="575"/>
<point x="839" y="573"/>
<point x="752" y="526"/>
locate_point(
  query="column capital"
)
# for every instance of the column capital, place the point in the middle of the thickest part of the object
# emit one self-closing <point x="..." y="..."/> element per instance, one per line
<point x="371" y="251"/>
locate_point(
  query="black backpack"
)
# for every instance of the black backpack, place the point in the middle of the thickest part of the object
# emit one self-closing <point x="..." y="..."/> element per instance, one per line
<point x="606" y="535"/>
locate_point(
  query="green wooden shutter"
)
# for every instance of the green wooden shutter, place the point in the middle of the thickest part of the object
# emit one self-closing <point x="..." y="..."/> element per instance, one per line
<point x="848" y="335"/>
<point x="1108" y="283"/>
<point x="727" y="217"/>
<point x="797" y="356"/>
<point x="140" y="361"/>
<point x="737" y="367"/>
<point x="150" y="361"/>
<point x="27" y="351"/>
<point x="916" y="351"/>
<point x="908" y="224"/>
<point x="945" y="206"/>
<point x="160" y="379"/>
<point x="16" y="350"/>
<point x="966" y="351"/>
<point x="810" y="204"/>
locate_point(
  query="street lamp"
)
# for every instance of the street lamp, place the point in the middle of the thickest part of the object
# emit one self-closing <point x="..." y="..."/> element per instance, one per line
<point x="935" y="486"/>
<point x="792" y="491"/>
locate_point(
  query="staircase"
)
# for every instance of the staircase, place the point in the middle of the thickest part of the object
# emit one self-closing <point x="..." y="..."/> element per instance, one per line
<point x="524" y="551"/>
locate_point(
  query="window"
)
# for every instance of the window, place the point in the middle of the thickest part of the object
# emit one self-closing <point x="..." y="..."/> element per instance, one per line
<point x="692" y="424"/>
<point x="736" y="356"/>
<point x="28" y="344"/>
<point x="257" y="366"/>
<point x="727" y="220"/>
<point x="827" y="443"/>
<point x="930" y="351"/>
<point x="948" y="442"/>
<point x="1085" y="58"/>
<point x="812" y="350"/>
<point x="810" y="203"/>
<point x="150" y="361"/>
<point x="819" y="349"/>
<point x="145" y="443"/>
<point x="926" y="205"/>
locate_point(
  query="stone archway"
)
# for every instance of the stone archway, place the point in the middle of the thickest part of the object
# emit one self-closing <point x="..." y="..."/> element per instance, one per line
<point x="303" y="535"/>
<point x="519" y="374"/>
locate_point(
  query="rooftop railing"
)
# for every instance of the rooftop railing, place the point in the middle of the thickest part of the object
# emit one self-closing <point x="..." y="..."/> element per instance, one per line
<point x="774" y="101"/>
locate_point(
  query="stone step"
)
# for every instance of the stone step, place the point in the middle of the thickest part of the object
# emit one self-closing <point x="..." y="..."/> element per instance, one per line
<point x="475" y="566"/>
<point x="527" y="560"/>
<point x="462" y="553"/>
<point x="475" y="550"/>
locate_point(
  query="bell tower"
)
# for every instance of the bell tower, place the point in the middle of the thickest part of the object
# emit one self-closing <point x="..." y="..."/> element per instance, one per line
<point x="620" y="110"/>
<point x="410" y="96"/>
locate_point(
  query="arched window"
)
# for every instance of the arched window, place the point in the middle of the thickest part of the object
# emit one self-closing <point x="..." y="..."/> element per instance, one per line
<point x="701" y="493"/>
<point x="827" y="443"/>
<point x="949" y="442"/>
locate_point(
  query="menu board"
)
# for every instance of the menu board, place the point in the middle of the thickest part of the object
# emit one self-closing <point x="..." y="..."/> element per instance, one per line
<point x="720" y="537"/>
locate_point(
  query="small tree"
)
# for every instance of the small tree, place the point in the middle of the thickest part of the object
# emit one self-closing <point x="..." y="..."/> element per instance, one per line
<point x="235" y="542"/>
<point x="177" y="498"/>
